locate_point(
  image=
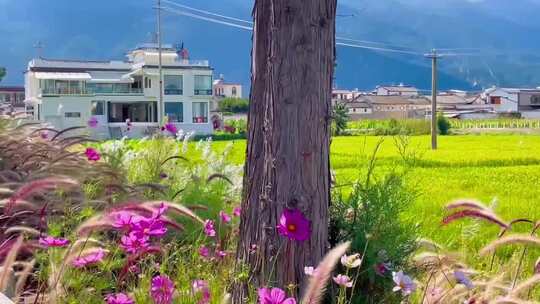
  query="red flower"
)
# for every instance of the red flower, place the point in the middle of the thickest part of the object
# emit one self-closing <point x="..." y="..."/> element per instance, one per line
<point x="293" y="225"/>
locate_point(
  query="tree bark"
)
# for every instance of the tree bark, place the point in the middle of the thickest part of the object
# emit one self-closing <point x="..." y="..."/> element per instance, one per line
<point x="287" y="163"/>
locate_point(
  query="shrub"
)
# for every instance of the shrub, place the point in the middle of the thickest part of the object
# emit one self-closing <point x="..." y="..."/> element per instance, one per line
<point x="340" y="118"/>
<point x="443" y="125"/>
<point x="238" y="125"/>
<point x="234" y="105"/>
<point x="370" y="217"/>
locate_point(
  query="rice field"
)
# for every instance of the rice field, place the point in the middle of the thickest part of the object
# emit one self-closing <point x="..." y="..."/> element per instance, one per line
<point x="503" y="170"/>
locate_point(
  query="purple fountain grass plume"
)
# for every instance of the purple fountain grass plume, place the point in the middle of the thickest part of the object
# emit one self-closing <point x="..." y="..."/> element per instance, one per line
<point x="178" y="208"/>
<point x="22" y="277"/>
<point x="525" y="286"/>
<point x="478" y="214"/>
<point x="511" y="239"/>
<point x="466" y="203"/>
<point x="7" y="266"/>
<point x="508" y="300"/>
<point x="96" y="223"/>
<point x="317" y="282"/>
<point x="512" y="223"/>
<point x="37" y="186"/>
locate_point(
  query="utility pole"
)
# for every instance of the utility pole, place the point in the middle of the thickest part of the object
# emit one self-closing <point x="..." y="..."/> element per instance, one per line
<point x="160" y="101"/>
<point x="434" y="57"/>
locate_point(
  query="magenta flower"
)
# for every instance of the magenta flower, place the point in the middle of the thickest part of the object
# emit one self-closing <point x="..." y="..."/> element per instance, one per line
<point x="163" y="175"/>
<point x="343" y="280"/>
<point x="293" y="225"/>
<point x="201" y="287"/>
<point x="92" y="154"/>
<point x="209" y="228"/>
<point x="225" y="218"/>
<point x="92" y="122"/>
<point x="49" y="241"/>
<point x="125" y="219"/>
<point x="221" y="254"/>
<point x="204" y="252"/>
<point x="162" y="290"/>
<point x="118" y="298"/>
<point x="404" y="283"/>
<point x="133" y="242"/>
<point x="44" y="135"/>
<point x="237" y="211"/>
<point x="274" y="296"/>
<point x="149" y="227"/>
<point x="382" y="268"/>
<point x="171" y="128"/>
<point x="89" y="259"/>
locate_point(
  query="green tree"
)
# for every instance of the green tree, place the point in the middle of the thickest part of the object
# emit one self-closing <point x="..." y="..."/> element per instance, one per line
<point x="234" y="105"/>
<point x="2" y="73"/>
<point x="340" y="118"/>
<point x="443" y="124"/>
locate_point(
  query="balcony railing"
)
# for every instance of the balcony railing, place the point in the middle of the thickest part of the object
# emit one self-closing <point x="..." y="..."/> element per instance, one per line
<point x="203" y="92"/>
<point x="92" y="91"/>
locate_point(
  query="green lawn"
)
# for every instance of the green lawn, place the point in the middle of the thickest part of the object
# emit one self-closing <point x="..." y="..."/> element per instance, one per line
<point x="485" y="167"/>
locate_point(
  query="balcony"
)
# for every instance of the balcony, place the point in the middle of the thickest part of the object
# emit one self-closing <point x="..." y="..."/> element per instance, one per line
<point x="114" y="90"/>
<point x="203" y="92"/>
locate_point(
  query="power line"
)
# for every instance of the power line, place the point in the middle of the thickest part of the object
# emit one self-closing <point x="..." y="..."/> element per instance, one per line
<point x="206" y="12"/>
<point x="175" y="11"/>
<point x="378" y="48"/>
<point x="376" y="43"/>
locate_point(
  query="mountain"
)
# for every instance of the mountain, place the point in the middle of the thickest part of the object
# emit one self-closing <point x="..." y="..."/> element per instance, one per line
<point x="503" y="34"/>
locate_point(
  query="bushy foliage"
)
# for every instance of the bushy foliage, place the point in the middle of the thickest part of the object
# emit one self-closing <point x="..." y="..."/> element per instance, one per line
<point x="370" y="217"/>
<point x="339" y="119"/>
<point x="443" y="125"/>
<point x="389" y="127"/>
<point x="234" y="105"/>
<point x="2" y="73"/>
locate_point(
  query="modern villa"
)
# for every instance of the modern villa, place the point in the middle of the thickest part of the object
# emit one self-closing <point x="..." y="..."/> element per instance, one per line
<point x="68" y="93"/>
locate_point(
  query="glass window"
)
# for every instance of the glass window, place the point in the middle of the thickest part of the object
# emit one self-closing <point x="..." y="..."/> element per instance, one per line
<point x="200" y="112"/>
<point x="174" y="84"/>
<point x="233" y="91"/>
<point x="72" y="114"/>
<point x="98" y="107"/>
<point x="135" y="112"/>
<point x="203" y="85"/>
<point x="174" y="111"/>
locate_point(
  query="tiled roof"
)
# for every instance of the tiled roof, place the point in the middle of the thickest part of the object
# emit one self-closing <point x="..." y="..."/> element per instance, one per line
<point x="392" y="100"/>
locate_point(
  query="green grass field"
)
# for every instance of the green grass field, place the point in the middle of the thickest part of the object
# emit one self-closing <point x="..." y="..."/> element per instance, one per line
<point x="485" y="167"/>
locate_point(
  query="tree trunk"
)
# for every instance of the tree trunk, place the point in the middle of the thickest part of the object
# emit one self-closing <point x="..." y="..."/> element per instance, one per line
<point x="287" y="164"/>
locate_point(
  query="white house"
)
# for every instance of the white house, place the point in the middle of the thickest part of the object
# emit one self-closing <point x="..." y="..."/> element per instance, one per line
<point x="67" y="93"/>
<point x="396" y="90"/>
<point x="503" y="100"/>
<point x="227" y="89"/>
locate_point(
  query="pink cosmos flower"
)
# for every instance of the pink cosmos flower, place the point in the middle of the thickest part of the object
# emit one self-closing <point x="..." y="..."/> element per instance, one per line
<point x="381" y="268"/>
<point x="49" y="241"/>
<point x="44" y="135"/>
<point x="343" y="280"/>
<point x="237" y="211"/>
<point x="149" y="227"/>
<point x="225" y="218"/>
<point x="404" y="283"/>
<point x="221" y="254"/>
<point x="204" y="252"/>
<point x="118" y="298"/>
<point x="162" y="290"/>
<point x="201" y="287"/>
<point x="171" y="128"/>
<point x="133" y="242"/>
<point x="274" y="296"/>
<point x="209" y="228"/>
<point x="89" y="259"/>
<point x="125" y="219"/>
<point x="92" y="154"/>
<point x="310" y="271"/>
<point x="92" y="122"/>
<point x="293" y="225"/>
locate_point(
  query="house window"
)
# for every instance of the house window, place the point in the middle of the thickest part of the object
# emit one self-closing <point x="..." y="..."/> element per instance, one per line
<point x="233" y="91"/>
<point x="135" y="112"/>
<point x="174" y="111"/>
<point x="535" y="100"/>
<point x="200" y="112"/>
<point x="147" y="83"/>
<point x="98" y="107"/>
<point x="203" y="85"/>
<point x="495" y="100"/>
<point x="174" y="84"/>
<point x="72" y="114"/>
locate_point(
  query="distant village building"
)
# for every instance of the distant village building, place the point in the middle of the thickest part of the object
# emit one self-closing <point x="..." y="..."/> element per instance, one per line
<point x="340" y="94"/>
<point x="503" y="100"/>
<point x="455" y="104"/>
<point x="223" y="89"/>
<point x="67" y="93"/>
<point x="387" y="107"/>
<point x="529" y="103"/>
<point x="399" y="90"/>
<point x="12" y="96"/>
